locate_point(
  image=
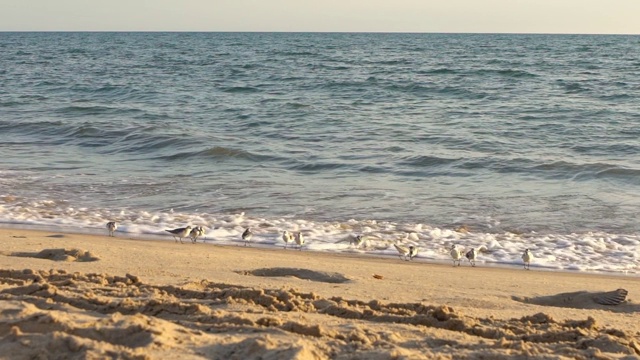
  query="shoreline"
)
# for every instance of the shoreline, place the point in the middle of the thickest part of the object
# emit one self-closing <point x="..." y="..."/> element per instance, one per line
<point x="210" y="241"/>
<point x="295" y="304"/>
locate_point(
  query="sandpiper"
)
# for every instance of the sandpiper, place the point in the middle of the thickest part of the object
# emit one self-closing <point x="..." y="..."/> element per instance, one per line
<point x="456" y="255"/>
<point x="246" y="236"/>
<point x="287" y="237"/>
<point x="527" y="257"/>
<point x="408" y="253"/>
<point x="356" y="240"/>
<point x="299" y="240"/>
<point x="413" y="252"/>
<point x="112" y="227"/>
<point x="180" y="233"/>
<point x="196" y="232"/>
<point x="471" y="255"/>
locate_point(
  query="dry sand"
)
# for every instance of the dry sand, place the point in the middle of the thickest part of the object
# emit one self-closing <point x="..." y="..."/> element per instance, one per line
<point x="67" y="296"/>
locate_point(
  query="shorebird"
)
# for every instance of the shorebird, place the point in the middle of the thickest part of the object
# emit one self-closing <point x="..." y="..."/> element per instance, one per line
<point x="471" y="255"/>
<point x="356" y="240"/>
<point x="180" y="233"/>
<point x="413" y="252"/>
<point x="456" y="255"/>
<point x="527" y="257"/>
<point x="195" y="233"/>
<point x="111" y="227"/>
<point x="287" y="237"/>
<point x="408" y="253"/>
<point x="299" y="239"/>
<point x="246" y="236"/>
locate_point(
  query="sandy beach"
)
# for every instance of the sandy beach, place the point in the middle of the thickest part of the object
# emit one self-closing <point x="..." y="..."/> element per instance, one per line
<point x="71" y="296"/>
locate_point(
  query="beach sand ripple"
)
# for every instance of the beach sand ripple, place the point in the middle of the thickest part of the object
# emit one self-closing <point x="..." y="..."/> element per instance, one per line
<point x="305" y="274"/>
<point x="615" y="301"/>
<point x="57" y="314"/>
<point x="60" y="255"/>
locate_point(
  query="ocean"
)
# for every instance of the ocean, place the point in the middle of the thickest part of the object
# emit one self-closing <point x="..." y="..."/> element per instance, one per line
<point x="499" y="142"/>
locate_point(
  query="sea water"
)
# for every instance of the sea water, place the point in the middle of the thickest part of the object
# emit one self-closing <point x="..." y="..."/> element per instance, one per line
<point x="498" y="142"/>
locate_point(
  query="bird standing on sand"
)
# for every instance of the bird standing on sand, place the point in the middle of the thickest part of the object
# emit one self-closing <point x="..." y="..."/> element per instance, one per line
<point x="299" y="240"/>
<point x="246" y="236"/>
<point x="112" y="227"/>
<point x="180" y="233"/>
<point x="408" y="253"/>
<point x="287" y="237"/>
<point x="196" y="232"/>
<point x="456" y="255"/>
<point x="527" y="257"/>
<point x="471" y="255"/>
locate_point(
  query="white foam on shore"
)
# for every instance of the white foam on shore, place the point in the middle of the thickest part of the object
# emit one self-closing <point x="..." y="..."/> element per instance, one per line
<point x="592" y="252"/>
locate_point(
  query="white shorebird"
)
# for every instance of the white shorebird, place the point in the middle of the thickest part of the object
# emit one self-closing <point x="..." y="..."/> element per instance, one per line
<point x="112" y="227"/>
<point x="407" y="252"/>
<point x="299" y="240"/>
<point x="527" y="257"/>
<point x="246" y="236"/>
<point x="287" y="237"/>
<point x="456" y="255"/>
<point x="195" y="233"/>
<point x="180" y="233"/>
<point x="471" y="255"/>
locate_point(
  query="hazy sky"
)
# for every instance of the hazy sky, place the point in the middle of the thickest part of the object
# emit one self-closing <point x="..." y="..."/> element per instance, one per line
<point x="513" y="16"/>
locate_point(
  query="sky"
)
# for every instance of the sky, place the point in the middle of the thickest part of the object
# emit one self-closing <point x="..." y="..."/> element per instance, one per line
<point x="448" y="16"/>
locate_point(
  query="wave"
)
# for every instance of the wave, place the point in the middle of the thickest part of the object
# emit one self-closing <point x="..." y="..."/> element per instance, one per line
<point x="584" y="172"/>
<point x="95" y="110"/>
<point x="617" y="97"/>
<point x="608" y="150"/>
<point x="390" y="62"/>
<point x="60" y="132"/>
<point x="220" y="153"/>
<point x="511" y="73"/>
<point x="549" y="170"/>
<point x="11" y="103"/>
<point x="596" y="251"/>
<point x="297" y="105"/>
<point x="439" y="71"/>
<point x="46" y="127"/>
<point x="78" y="51"/>
<point x="572" y="87"/>
<point x="304" y="54"/>
<point x="141" y="143"/>
<point x="427" y="161"/>
<point x="323" y="66"/>
<point x="314" y="167"/>
<point x="241" y="90"/>
<point x="626" y="174"/>
<point x="374" y="169"/>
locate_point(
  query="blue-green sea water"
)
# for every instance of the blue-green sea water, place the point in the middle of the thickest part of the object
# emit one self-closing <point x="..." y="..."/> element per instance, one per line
<point x="523" y="140"/>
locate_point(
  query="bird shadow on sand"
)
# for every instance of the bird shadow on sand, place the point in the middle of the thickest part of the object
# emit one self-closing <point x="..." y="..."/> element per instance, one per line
<point x="614" y="301"/>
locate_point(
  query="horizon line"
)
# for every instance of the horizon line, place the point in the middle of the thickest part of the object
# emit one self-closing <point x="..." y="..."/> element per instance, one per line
<point x="314" y="32"/>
